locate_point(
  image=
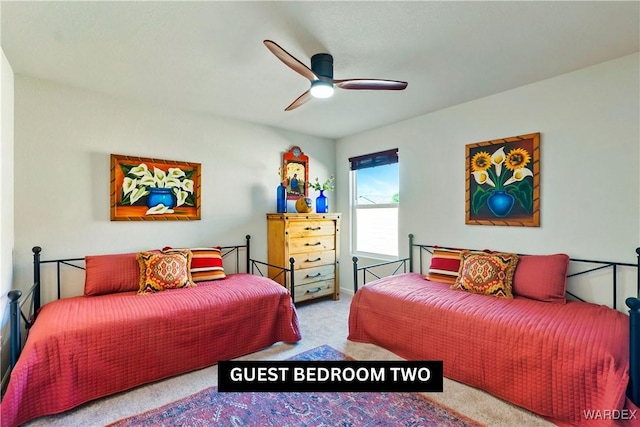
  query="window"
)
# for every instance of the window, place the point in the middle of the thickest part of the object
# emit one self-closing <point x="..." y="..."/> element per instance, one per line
<point x="375" y="194"/>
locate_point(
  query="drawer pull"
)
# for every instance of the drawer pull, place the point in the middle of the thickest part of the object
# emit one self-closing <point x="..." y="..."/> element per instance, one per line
<point x="315" y="275"/>
<point x="313" y="228"/>
<point x="314" y="260"/>
<point x="314" y="290"/>
<point x="313" y="244"/>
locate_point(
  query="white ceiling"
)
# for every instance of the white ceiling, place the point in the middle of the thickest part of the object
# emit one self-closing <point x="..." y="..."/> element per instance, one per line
<point x="209" y="56"/>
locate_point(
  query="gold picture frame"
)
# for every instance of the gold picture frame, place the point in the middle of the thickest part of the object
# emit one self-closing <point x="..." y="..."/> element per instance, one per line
<point x="502" y="181"/>
<point x="147" y="189"/>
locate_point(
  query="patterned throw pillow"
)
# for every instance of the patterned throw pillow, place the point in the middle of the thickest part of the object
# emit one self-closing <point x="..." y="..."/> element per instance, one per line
<point x="164" y="271"/>
<point x="488" y="274"/>
<point x="445" y="264"/>
<point x="206" y="263"/>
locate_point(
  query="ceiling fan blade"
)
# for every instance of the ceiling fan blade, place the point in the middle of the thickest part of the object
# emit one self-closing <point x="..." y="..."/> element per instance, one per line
<point x="370" y="84"/>
<point x="290" y="61"/>
<point x="299" y="101"/>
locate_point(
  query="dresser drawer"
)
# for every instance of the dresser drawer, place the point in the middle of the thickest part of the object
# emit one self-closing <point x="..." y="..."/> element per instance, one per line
<point x="311" y="244"/>
<point x="314" y="259"/>
<point x="314" y="274"/>
<point x="312" y="228"/>
<point x="314" y="290"/>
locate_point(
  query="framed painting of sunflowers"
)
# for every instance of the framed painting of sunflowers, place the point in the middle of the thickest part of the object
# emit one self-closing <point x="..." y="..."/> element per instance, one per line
<point x="144" y="189"/>
<point x="503" y="181"/>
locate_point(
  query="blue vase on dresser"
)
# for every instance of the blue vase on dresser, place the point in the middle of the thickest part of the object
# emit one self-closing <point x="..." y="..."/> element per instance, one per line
<point x="322" y="204"/>
<point x="282" y="199"/>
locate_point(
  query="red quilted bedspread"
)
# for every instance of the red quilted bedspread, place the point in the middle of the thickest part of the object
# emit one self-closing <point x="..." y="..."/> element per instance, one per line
<point x="83" y="348"/>
<point x="555" y="360"/>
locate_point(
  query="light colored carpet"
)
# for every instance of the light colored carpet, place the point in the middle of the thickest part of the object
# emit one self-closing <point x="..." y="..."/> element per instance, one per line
<point x="322" y="322"/>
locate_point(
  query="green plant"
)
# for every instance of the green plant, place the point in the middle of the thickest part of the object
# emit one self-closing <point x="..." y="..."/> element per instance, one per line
<point x="326" y="186"/>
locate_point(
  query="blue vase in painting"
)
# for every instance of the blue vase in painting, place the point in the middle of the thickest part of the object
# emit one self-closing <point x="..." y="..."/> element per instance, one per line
<point x="500" y="203"/>
<point x="162" y="196"/>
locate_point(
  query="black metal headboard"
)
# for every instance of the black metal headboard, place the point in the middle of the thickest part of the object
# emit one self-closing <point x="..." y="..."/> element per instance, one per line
<point x="33" y="296"/>
<point x="400" y="265"/>
<point x="595" y="265"/>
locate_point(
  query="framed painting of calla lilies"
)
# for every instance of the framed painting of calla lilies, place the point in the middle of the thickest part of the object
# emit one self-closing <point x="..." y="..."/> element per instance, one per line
<point x="145" y="189"/>
<point x="503" y="181"/>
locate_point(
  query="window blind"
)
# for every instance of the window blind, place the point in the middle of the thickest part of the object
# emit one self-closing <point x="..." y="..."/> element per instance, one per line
<point x="380" y="158"/>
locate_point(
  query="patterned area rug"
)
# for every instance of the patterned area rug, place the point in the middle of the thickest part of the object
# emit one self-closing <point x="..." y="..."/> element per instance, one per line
<point x="208" y="408"/>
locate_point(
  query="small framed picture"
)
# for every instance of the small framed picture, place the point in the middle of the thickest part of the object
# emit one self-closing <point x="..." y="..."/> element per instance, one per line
<point x="295" y="173"/>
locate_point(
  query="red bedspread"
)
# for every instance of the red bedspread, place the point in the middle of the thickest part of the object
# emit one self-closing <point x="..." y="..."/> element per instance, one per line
<point x="83" y="348"/>
<point x="555" y="360"/>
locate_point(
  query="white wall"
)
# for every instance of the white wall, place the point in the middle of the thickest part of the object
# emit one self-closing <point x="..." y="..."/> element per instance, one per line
<point x="6" y="202"/>
<point x="6" y="180"/>
<point x="590" y="185"/>
<point x="64" y="137"/>
<point x="590" y="178"/>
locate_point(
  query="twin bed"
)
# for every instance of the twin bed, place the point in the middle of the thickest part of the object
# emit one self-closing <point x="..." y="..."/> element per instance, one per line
<point x="86" y="347"/>
<point x="558" y="358"/>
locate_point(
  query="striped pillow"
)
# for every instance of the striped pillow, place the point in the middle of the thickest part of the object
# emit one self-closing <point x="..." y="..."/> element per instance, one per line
<point x="445" y="264"/>
<point x="206" y="263"/>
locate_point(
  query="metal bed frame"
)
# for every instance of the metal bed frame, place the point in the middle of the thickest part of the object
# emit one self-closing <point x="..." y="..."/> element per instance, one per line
<point x="633" y="390"/>
<point x="16" y="303"/>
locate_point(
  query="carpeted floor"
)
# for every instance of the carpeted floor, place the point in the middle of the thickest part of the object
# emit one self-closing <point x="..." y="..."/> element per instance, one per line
<point x="274" y="409"/>
<point x="322" y="322"/>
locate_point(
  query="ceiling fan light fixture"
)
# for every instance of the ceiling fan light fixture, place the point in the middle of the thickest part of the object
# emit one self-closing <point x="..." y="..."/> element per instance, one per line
<point x="321" y="89"/>
<point x="321" y="76"/>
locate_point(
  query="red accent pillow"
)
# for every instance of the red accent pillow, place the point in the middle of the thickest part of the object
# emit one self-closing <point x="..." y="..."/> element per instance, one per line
<point x="107" y="274"/>
<point x="542" y="277"/>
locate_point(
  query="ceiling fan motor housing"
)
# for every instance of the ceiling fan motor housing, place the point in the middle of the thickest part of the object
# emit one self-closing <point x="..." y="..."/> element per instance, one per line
<point x="322" y="65"/>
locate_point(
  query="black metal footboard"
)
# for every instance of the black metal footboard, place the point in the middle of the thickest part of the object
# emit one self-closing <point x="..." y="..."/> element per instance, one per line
<point x="634" y="342"/>
<point x="32" y="298"/>
<point x="374" y="270"/>
<point x="633" y="390"/>
<point x="253" y="266"/>
<point x="281" y="271"/>
<point x="16" y="309"/>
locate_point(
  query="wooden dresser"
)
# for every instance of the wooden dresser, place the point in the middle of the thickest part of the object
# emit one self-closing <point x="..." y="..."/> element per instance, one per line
<point x="313" y="241"/>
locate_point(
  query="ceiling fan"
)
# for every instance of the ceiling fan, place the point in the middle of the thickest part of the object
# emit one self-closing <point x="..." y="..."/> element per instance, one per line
<point x="321" y="76"/>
